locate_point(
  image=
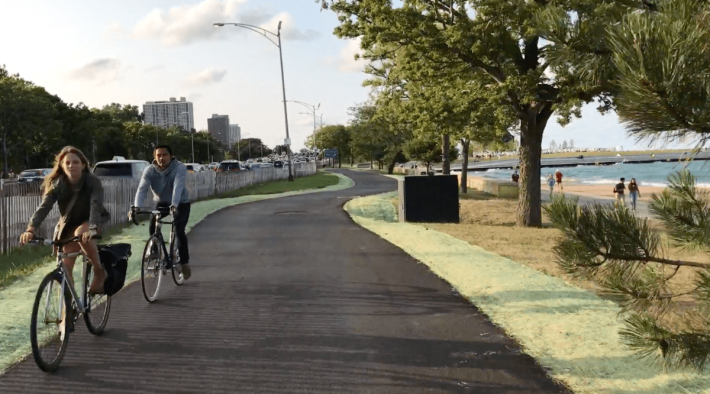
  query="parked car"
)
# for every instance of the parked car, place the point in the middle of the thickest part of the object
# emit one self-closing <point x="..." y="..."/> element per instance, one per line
<point x="213" y="166"/>
<point x="194" y="167"/>
<point x="230" y="166"/>
<point x="119" y="167"/>
<point x="279" y="164"/>
<point x="36" y="175"/>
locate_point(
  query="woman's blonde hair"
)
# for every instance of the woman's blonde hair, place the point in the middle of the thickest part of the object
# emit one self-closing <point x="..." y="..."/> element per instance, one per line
<point x="58" y="171"/>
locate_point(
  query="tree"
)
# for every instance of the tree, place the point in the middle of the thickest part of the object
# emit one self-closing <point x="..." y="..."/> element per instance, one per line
<point x="564" y="145"/>
<point x="336" y="137"/>
<point x="553" y="145"/>
<point x="662" y="60"/>
<point x="26" y="113"/>
<point x="571" y="144"/>
<point x="427" y="151"/>
<point x="517" y="45"/>
<point x="249" y="148"/>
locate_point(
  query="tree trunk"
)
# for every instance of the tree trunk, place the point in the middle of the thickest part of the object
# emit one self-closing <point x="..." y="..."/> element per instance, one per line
<point x="390" y="166"/>
<point x="352" y="157"/>
<point x="464" y="167"/>
<point x="445" y="163"/>
<point x="531" y="128"/>
<point x="371" y="160"/>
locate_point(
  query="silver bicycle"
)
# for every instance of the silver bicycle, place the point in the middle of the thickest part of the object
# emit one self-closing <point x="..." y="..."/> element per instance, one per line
<point x="58" y="306"/>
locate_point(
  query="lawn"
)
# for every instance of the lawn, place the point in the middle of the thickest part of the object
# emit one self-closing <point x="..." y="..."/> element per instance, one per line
<point x="320" y="180"/>
<point x="489" y="222"/>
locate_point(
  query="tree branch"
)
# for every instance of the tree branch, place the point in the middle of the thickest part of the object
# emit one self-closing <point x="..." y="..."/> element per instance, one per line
<point x="650" y="259"/>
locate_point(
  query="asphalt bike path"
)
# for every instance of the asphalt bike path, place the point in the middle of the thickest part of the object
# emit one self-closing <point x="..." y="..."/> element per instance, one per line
<point x="289" y="295"/>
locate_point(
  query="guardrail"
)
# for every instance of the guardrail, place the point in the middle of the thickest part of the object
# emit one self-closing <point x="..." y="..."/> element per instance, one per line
<point x="18" y="201"/>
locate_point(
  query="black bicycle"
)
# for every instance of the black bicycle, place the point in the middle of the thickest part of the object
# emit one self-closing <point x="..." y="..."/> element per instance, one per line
<point x="57" y="306"/>
<point x="156" y="260"/>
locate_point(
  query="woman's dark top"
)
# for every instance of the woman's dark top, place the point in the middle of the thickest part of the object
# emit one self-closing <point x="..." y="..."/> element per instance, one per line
<point x="633" y="187"/>
<point x="89" y="205"/>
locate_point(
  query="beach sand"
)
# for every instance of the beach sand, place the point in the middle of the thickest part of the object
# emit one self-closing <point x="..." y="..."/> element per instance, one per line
<point x="605" y="191"/>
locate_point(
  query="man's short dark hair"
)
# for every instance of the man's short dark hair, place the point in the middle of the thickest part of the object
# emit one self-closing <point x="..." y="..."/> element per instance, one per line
<point x="166" y="147"/>
<point x="622" y="179"/>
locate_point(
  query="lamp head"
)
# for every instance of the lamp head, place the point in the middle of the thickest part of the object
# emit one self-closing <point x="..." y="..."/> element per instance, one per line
<point x="217" y="24"/>
<point x="318" y="106"/>
<point x="279" y="26"/>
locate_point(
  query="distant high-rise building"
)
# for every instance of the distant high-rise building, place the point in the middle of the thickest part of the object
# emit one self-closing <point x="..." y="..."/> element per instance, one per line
<point x="218" y="127"/>
<point x="235" y="134"/>
<point x="171" y="113"/>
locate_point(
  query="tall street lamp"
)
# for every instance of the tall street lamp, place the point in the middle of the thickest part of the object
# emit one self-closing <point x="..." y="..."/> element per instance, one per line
<point x="264" y="33"/>
<point x="311" y="110"/>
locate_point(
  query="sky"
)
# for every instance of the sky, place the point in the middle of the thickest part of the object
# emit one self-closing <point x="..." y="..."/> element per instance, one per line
<point x="134" y="51"/>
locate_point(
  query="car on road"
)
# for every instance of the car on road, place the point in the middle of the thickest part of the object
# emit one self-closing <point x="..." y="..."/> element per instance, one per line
<point x="278" y="164"/>
<point x="119" y="167"/>
<point x="194" y="167"/>
<point x="35" y="175"/>
<point x="231" y="166"/>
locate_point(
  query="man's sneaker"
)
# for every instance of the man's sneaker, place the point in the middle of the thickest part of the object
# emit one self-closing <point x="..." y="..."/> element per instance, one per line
<point x="186" y="271"/>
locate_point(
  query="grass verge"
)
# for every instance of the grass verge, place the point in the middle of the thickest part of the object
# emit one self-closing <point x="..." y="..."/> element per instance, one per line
<point x="318" y="181"/>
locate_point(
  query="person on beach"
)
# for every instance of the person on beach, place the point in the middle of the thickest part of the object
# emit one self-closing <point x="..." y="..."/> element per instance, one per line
<point x="515" y="175"/>
<point x="619" y="190"/>
<point x="634" y="193"/>
<point x="80" y="195"/>
<point x="551" y="183"/>
<point x="558" y="179"/>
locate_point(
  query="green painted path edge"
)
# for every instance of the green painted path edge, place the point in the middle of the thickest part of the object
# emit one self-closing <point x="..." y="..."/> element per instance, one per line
<point x="571" y="332"/>
<point x="16" y="299"/>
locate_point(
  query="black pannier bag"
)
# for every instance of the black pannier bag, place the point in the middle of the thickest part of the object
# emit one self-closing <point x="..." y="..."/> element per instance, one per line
<point x="114" y="259"/>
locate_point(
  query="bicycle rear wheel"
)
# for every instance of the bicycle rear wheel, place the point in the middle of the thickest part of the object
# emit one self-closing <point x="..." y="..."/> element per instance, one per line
<point x="152" y="268"/>
<point x="177" y="268"/>
<point x="97" y="306"/>
<point x="49" y="328"/>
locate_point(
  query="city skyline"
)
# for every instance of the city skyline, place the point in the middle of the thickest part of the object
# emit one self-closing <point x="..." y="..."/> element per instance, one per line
<point x="158" y="49"/>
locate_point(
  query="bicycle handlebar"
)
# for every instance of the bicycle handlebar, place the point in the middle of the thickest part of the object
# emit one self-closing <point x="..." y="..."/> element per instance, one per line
<point x="156" y="211"/>
<point x="61" y="242"/>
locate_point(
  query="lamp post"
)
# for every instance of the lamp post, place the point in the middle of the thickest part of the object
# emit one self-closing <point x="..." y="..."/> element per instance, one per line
<point x="264" y="33"/>
<point x="311" y="110"/>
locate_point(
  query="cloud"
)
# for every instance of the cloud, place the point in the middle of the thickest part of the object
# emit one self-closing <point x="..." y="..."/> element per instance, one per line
<point x="114" y="31"/>
<point x="345" y="61"/>
<point x="100" y="70"/>
<point x="187" y="24"/>
<point x="207" y="77"/>
<point x="288" y="29"/>
<point x="194" y="97"/>
<point x="154" y="68"/>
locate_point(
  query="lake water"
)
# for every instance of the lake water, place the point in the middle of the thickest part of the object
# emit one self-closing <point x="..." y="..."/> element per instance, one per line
<point x="650" y="174"/>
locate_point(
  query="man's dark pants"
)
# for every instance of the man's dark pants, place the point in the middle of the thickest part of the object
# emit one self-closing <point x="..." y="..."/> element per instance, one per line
<point x="181" y="217"/>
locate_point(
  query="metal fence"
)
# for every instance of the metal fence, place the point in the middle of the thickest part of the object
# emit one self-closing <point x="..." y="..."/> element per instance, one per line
<point x="18" y="201"/>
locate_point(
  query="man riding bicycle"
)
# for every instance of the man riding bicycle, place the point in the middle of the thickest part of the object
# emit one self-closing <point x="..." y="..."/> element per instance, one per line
<point x="166" y="179"/>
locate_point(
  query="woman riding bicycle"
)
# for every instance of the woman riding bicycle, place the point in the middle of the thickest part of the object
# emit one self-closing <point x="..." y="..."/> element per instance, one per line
<point x="79" y="195"/>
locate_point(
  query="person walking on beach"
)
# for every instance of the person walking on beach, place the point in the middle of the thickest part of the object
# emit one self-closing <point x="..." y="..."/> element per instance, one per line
<point x="558" y="179"/>
<point x="634" y="193"/>
<point x="551" y="183"/>
<point x="619" y="190"/>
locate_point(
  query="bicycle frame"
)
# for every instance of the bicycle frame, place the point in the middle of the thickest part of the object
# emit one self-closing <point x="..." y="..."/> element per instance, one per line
<point x="81" y="308"/>
<point x="155" y="215"/>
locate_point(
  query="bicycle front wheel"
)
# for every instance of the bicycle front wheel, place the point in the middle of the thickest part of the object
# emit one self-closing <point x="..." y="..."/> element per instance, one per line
<point x="49" y="328"/>
<point x="97" y="306"/>
<point x="152" y="268"/>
